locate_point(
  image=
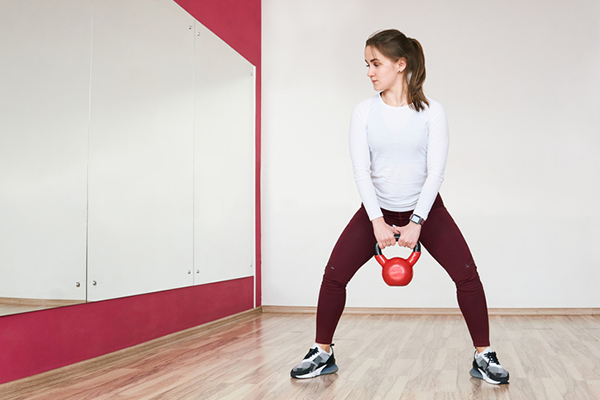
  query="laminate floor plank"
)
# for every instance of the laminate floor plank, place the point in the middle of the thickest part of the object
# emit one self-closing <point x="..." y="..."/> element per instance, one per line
<point x="380" y="357"/>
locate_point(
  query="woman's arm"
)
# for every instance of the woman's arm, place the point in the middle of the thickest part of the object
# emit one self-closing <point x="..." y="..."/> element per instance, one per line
<point x="361" y="164"/>
<point x="437" y="154"/>
<point x="361" y="160"/>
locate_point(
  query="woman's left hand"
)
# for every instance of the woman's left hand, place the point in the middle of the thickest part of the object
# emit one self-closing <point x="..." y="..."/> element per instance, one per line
<point x="409" y="234"/>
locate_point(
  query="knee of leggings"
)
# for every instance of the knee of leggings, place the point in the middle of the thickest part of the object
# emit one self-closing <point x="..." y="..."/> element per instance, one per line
<point x="331" y="282"/>
<point x="469" y="284"/>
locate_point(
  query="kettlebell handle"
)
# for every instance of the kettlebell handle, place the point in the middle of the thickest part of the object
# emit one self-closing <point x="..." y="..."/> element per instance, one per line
<point x="417" y="248"/>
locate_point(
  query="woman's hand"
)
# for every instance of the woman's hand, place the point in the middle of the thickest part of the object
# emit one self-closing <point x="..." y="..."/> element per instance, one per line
<point x="409" y="235"/>
<point x="384" y="234"/>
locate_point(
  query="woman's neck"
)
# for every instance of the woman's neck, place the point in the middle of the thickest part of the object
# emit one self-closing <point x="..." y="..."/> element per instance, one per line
<point x="395" y="97"/>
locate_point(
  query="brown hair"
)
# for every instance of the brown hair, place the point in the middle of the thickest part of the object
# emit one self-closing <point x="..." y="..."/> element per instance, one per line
<point x="396" y="45"/>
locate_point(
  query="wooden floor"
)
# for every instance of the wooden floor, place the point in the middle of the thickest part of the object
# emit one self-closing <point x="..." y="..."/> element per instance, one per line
<point x="379" y="356"/>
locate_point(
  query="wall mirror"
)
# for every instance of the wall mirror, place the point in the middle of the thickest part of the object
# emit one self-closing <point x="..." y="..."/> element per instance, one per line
<point x="126" y="152"/>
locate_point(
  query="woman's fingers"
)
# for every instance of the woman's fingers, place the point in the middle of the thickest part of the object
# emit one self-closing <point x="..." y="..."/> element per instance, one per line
<point x="405" y="242"/>
<point x="410" y="245"/>
<point x="409" y="235"/>
<point x="386" y="243"/>
<point x="384" y="233"/>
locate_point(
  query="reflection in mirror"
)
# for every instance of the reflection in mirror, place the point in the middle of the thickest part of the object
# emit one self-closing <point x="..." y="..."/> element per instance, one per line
<point x="224" y="162"/>
<point x="44" y="102"/>
<point x="126" y="145"/>
<point x="140" y="214"/>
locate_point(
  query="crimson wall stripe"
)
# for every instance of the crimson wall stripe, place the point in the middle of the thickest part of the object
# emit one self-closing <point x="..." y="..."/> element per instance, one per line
<point x="39" y="341"/>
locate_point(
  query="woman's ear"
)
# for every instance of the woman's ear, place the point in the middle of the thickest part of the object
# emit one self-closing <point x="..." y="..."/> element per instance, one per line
<point x="401" y="64"/>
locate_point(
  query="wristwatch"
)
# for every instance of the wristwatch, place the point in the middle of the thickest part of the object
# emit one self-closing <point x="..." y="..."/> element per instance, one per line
<point x="416" y="219"/>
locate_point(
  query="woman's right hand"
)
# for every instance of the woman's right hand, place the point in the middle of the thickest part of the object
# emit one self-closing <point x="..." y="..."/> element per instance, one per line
<point x="384" y="234"/>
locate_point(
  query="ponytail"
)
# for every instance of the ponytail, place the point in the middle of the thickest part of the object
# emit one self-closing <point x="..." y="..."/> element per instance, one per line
<point x="395" y="45"/>
<point x="416" y="76"/>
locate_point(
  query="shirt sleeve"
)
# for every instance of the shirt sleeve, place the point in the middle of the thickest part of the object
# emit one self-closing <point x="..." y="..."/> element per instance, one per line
<point x="361" y="160"/>
<point x="437" y="154"/>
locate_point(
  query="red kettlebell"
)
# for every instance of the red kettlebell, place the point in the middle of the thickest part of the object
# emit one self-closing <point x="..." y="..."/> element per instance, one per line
<point x="397" y="271"/>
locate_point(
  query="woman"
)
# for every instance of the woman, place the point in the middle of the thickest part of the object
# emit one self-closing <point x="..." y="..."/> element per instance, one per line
<point x="399" y="146"/>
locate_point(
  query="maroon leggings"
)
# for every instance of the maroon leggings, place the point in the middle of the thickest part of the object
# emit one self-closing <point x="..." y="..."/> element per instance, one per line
<point x="442" y="239"/>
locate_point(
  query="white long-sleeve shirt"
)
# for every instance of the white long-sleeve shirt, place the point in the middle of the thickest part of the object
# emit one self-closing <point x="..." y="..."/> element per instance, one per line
<point x="398" y="155"/>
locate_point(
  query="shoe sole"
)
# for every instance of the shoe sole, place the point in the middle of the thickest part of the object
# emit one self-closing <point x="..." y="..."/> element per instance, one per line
<point x="477" y="373"/>
<point x="324" y="370"/>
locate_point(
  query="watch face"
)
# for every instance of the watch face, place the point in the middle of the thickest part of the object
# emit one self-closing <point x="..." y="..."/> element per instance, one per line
<point x="416" y="219"/>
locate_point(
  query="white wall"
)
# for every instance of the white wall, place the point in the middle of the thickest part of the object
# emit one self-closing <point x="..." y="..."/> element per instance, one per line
<point x="519" y="82"/>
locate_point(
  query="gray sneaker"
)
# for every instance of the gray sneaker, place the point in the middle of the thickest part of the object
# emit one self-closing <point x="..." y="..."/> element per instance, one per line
<point x="487" y="367"/>
<point x="315" y="363"/>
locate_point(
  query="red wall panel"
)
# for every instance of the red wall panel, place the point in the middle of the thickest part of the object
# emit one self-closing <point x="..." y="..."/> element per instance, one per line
<point x="237" y="22"/>
<point x="39" y="341"/>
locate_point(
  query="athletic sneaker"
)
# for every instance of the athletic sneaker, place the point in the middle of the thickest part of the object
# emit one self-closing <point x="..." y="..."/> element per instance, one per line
<point x="487" y="367"/>
<point x="316" y="362"/>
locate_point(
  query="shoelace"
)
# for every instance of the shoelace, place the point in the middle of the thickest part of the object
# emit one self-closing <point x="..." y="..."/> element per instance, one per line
<point x="314" y="350"/>
<point x="491" y="356"/>
<point x="311" y="352"/>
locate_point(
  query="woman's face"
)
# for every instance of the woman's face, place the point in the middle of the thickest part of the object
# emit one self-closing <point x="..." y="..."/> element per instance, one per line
<point x="383" y="72"/>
